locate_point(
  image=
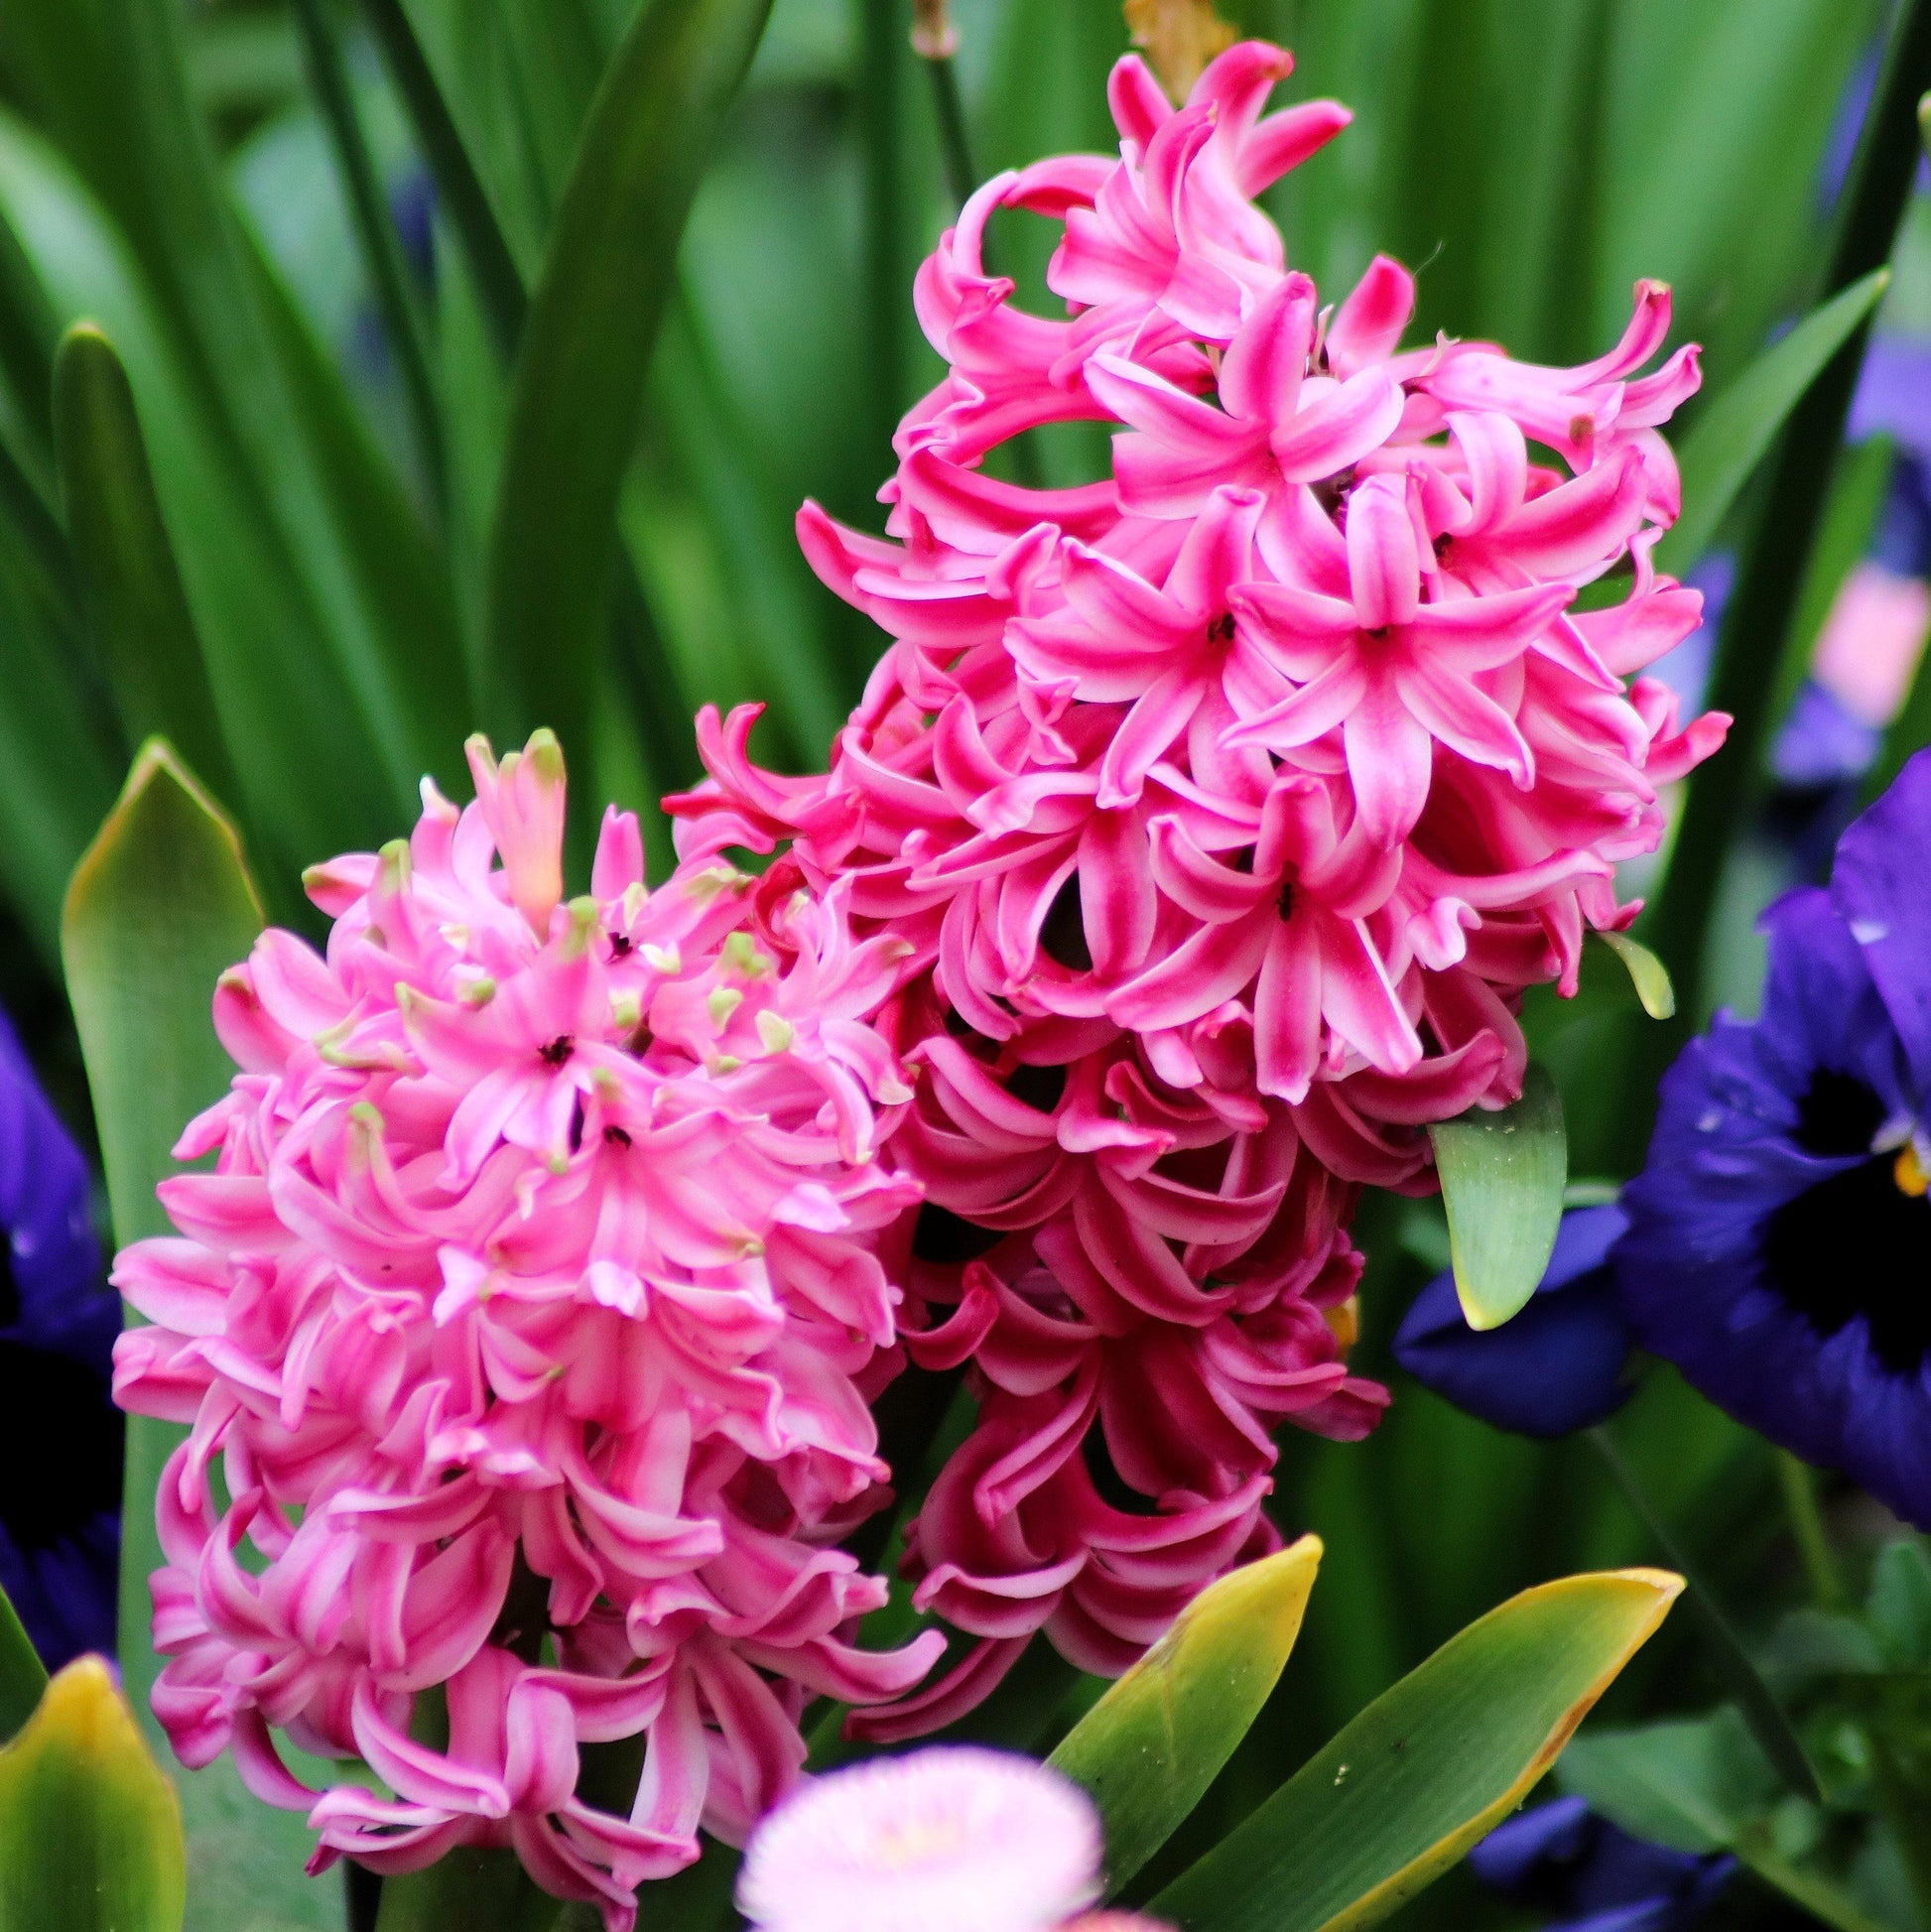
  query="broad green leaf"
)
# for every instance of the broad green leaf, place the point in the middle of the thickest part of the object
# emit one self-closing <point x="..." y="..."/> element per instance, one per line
<point x="132" y="588"/>
<point x="1502" y="1176"/>
<point x="90" y="1836"/>
<point x="23" y="1677"/>
<point x="1428" y="1768"/>
<point x="158" y="908"/>
<point x="1155" y="1742"/>
<point x="1692" y="1784"/>
<point x="1647" y="974"/>
<point x="1733" y="434"/>
<point x="1704" y="1786"/>
<point x="580" y="382"/>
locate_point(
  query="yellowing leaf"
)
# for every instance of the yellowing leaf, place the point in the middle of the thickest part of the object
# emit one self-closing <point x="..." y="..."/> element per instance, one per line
<point x="1154" y="1743"/>
<point x="89" y="1828"/>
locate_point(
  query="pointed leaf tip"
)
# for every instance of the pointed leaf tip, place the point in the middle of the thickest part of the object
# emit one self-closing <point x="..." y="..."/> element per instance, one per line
<point x="1647" y="974"/>
<point x="1503" y="1175"/>
<point x="1428" y="1768"/>
<point x="90" y="1834"/>
<point x="1157" y="1738"/>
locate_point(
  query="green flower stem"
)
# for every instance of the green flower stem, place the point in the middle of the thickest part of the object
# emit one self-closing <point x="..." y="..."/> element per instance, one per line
<point x="955" y="144"/>
<point x="1771" y="576"/>
<point x="1761" y="1710"/>
<point x="381" y="247"/>
<point x="886" y="283"/>
<point x="1798" y="1482"/>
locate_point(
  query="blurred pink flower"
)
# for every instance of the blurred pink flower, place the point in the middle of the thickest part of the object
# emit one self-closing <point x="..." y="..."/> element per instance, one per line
<point x="521" y="1329"/>
<point x="1868" y="649"/>
<point x="946" y="1840"/>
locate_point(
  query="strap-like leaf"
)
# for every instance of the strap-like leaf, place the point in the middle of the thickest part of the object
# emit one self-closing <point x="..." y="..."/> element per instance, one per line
<point x="587" y="351"/>
<point x="1730" y="438"/>
<point x="1154" y="1743"/>
<point x="158" y="907"/>
<point x="133" y="591"/>
<point x="90" y="1834"/>
<point x="23" y="1677"/>
<point x="1428" y="1768"/>
<point x="1502" y="1176"/>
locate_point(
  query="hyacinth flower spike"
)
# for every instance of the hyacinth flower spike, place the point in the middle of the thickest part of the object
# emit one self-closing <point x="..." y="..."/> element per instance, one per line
<point x="520" y="1323"/>
<point x="1391" y="672"/>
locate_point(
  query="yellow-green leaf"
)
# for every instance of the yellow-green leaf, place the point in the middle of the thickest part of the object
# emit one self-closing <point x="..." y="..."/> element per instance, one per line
<point x="90" y="1834"/>
<point x="1153" y="1744"/>
<point x="1502" y="1176"/>
<point x="1428" y="1768"/>
<point x="1647" y="974"/>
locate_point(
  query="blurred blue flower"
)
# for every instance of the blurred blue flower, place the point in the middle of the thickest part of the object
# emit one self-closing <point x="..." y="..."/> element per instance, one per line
<point x="1589" y="1876"/>
<point x="59" y="1435"/>
<point x="1553" y="1368"/>
<point x="1778" y="1235"/>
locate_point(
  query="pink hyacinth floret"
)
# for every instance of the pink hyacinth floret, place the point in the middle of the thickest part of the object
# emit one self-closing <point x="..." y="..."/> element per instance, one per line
<point x="1228" y="801"/>
<point x="523" y="1328"/>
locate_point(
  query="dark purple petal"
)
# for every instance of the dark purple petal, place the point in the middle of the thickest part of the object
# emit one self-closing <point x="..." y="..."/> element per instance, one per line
<point x="1555" y="1366"/>
<point x="1880" y="887"/>
<point x="1588" y="1875"/>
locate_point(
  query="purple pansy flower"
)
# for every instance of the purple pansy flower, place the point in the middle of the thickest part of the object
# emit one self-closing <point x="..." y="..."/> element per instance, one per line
<point x="60" y="1436"/>
<point x="1588" y="1875"/>
<point x="1779" y="1241"/>
<point x="1557" y="1366"/>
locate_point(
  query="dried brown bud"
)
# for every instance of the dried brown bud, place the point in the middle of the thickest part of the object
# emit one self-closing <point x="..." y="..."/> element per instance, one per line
<point x="934" y="37"/>
<point x="1180" y="38"/>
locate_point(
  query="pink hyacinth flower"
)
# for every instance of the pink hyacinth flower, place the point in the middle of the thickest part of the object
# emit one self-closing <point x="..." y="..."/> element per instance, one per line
<point x="520" y="1331"/>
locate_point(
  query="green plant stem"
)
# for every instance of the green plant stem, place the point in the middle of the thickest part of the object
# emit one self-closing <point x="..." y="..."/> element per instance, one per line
<point x="1798" y="1482"/>
<point x="1773" y="569"/>
<point x="882" y="134"/>
<point x="460" y="189"/>
<point x="375" y="230"/>
<point x="1761" y="1710"/>
<point x="955" y="144"/>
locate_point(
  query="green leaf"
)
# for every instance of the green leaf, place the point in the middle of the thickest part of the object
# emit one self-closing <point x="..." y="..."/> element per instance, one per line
<point x="1155" y="1742"/>
<point x="158" y="908"/>
<point x="133" y="590"/>
<point x="1647" y="974"/>
<point x="1692" y="1784"/>
<point x="23" y="1677"/>
<point x="1428" y="1768"/>
<point x="587" y="351"/>
<point x="90" y="1836"/>
<point x="1733" y="434"/>
<point x="1502" y="1176"/>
